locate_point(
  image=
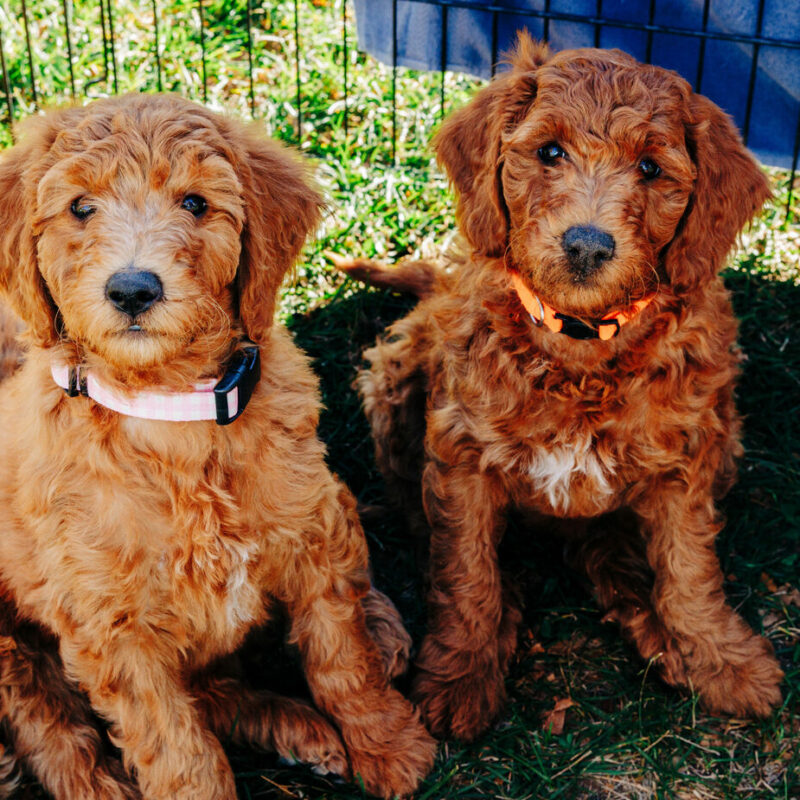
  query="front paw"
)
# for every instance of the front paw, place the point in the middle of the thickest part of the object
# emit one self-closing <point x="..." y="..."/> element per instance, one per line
<point x="101" y="780"/>
<point x="199" y="772"/>
<point x="111" y="782"/>
<point x="302" y="734"/>
<point x="394" y="752"/>
<point x="385" y="626"/>
<point x="747" y="684"/>
<point x="462" y="707"/>
<point x="459" y="692"/>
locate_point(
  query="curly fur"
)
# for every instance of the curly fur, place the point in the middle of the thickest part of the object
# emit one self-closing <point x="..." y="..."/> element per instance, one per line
<point x="135" y="554"/>
<point x="10" y="350"/>
<point x="475" y="410"/>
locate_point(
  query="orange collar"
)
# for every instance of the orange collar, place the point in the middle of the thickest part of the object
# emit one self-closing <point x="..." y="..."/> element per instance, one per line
<point x="605" y="328"/>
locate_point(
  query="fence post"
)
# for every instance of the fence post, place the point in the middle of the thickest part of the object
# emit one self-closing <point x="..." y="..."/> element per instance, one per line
<point x="69" y="47"/>
<point x="250" y="59"/>
<point x="30" y="52"/>
<point x="202" y="50"/>
<point x="297" y="71"/>
<point x="7" y="87"/>
<point x="158" y="54"/>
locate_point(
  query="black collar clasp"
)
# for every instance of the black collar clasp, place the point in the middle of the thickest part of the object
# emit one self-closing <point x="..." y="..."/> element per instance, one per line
<point x="241" y="376"/>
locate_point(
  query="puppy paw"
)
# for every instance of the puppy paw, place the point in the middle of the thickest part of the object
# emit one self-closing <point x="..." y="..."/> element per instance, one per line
<point x="101" y="782"/>
<point x="111" y="782"/>
<point x="391" y="758"/>
<point x="747" y="684"/>
<point x="307" y="737"/>
<point x="462" y="707"/>
<point x="385" y="626"/>
<point x="118" y="791"/>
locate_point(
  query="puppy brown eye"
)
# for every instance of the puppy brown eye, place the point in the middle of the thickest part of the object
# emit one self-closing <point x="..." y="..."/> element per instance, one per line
<point x="649" y="169"/>
<point x="80" y="208"/>
<point x="194" y="204"/>
<point x="550" y="153"/>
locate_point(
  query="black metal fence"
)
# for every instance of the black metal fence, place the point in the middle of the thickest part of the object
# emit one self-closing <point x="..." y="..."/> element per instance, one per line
<point x="88" y="38"/>
<point x="20" y="86"/>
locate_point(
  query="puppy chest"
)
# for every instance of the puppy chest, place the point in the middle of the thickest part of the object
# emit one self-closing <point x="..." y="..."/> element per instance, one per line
<point x="570" y="478"/>
<point x="172" y="558"/>
<point x="215" y="585"/>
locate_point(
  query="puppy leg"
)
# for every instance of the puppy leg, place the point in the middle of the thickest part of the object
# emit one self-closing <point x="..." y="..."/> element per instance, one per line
<point x="459" y="686"/>
<point x="388" y="746"/>
<point x="612" y="554"/>
<point x="133" y="677"/>
<point x="509" y="626"/>
<point x="731" y="668"/>
<point x="51" y="724"/>
<point x="386" y="628"/>
<point x="291" y="728"/>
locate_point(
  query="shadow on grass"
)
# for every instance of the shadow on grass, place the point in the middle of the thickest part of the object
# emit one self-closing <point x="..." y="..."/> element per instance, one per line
<point x="626" y="735"/>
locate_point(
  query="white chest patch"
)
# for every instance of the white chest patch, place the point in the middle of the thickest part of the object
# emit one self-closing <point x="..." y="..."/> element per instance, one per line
<point x="553" y="471"/>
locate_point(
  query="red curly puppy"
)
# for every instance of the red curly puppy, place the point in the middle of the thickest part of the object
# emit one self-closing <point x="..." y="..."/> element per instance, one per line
<point x="143" y="242"/>
<point x="579" y="361"/>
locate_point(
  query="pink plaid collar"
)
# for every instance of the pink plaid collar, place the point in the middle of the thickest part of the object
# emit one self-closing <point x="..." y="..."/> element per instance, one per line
<point x="222" y="400"/>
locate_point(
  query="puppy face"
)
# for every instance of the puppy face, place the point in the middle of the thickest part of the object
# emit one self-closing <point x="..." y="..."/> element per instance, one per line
<point x="156" y="230"/>
<point x="600" y="178"/>
<point x="596" y="179"/>
<point x="139" y="224"/>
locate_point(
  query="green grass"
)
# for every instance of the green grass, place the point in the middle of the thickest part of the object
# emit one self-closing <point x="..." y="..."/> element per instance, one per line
<point x="625" y="736"/>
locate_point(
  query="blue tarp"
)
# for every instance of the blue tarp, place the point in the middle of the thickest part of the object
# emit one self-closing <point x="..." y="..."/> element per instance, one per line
<point x="726" y="67"/>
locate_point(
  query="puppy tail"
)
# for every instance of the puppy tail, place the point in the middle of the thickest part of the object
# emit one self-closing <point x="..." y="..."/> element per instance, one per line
<point x="418" y="278"/>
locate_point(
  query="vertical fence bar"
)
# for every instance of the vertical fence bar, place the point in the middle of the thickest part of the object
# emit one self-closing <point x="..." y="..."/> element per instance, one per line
<point x="793" y="173"/>
<point x="112" y="44"/>
<point x="701" y="59"/>
<point x="598" y="11"/>
<point x="158" y="54"/>
<point x="105" y="41"/>
<point x="546" y="26"/>
<point x="202" y="49"/>
<point x="6" y="87"/>
<point x="250" y="59"/>
<point x="69" y="47"/>
<point x="104" y="77"/>
<point x="30" y="52"/>
<point x="495" y="20"/>
<point x="297" y="71"/>
<point x="753" y="73"/>
<point x="651" y="15"/>
<point x="443" y="60"/>
<point x="394" y="82"/>
<point x="344" y="63"/>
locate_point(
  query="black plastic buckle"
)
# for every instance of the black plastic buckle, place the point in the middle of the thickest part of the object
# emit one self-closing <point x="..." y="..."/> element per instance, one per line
<point x="77" y="383"/>
<point x="243" y="373"/>
<point x="576" y="329"/>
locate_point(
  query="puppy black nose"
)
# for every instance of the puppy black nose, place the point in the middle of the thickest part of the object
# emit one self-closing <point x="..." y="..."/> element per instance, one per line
<point x="133" y="291"/>
<point x="587" y="248"/>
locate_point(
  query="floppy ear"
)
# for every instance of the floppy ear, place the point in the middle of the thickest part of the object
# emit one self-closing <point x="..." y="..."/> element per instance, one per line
<point x="468" y="146"/>
<point x="729" y="189"/>
<point x="21" y="167"/>
<point x="281" y="208"/>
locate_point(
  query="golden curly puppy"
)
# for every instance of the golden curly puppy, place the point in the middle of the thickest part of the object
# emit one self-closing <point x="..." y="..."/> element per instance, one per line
<point x="579" y="361"/>
<point x="143" y="243"/>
